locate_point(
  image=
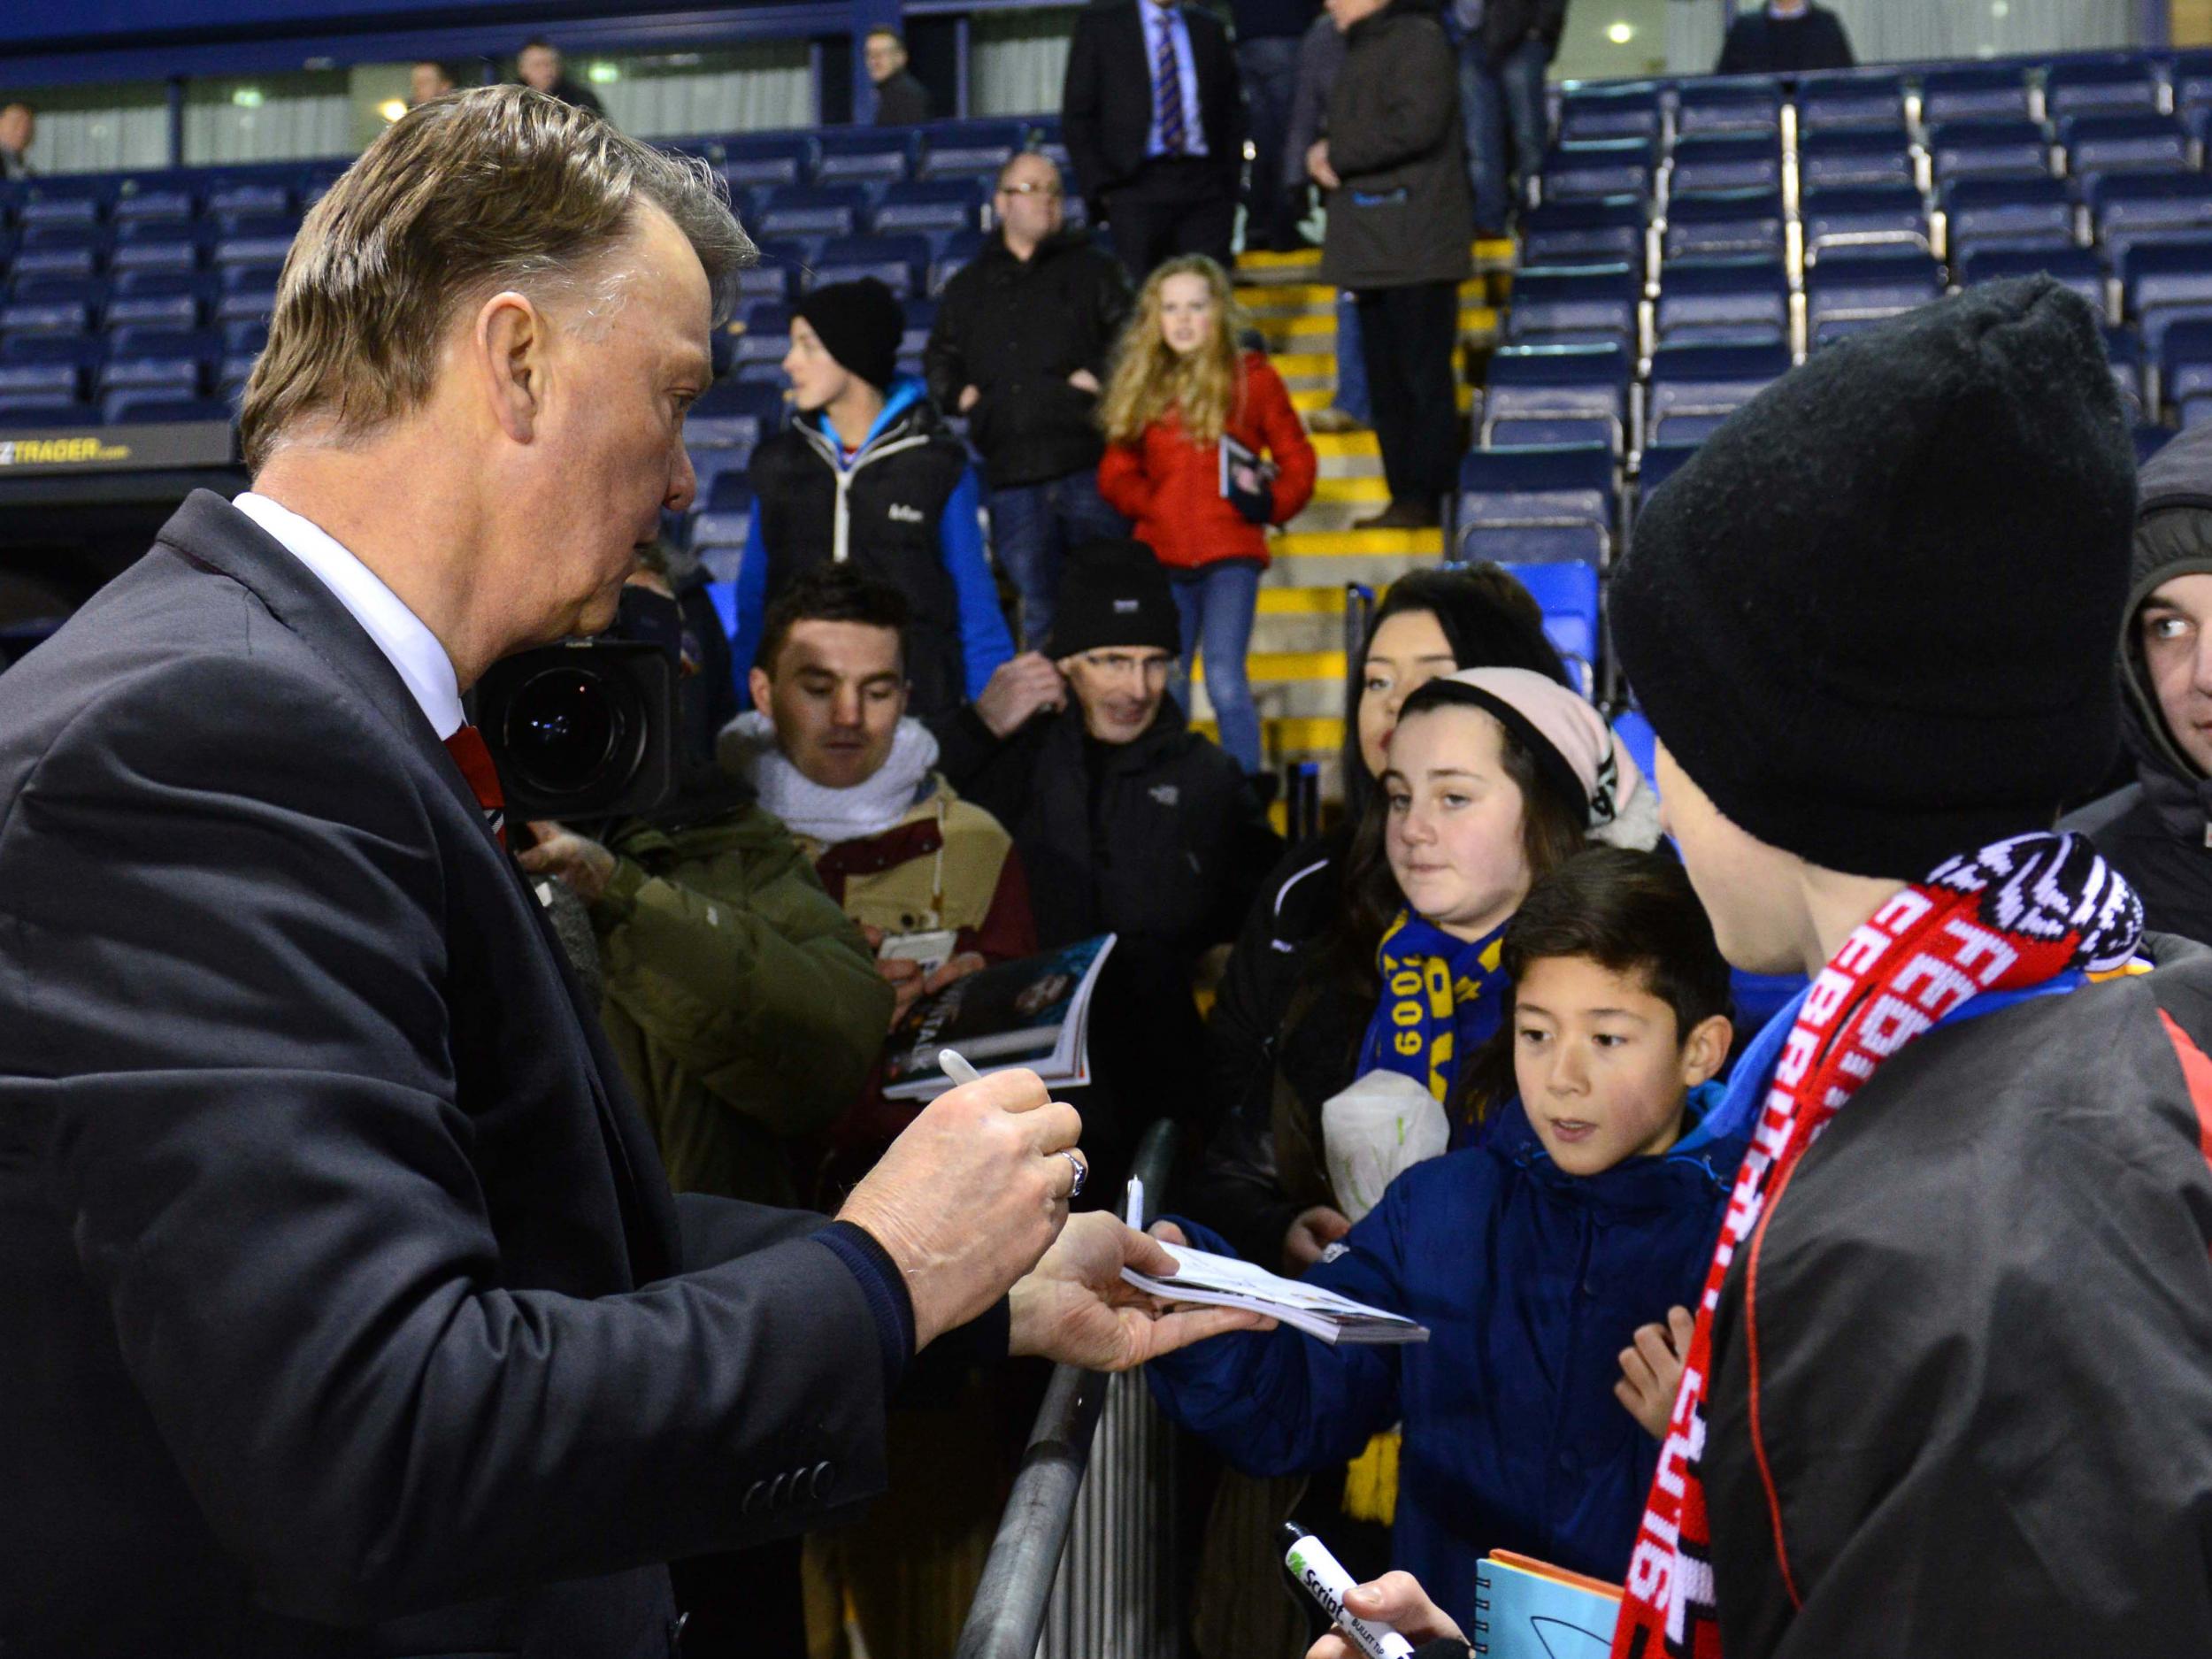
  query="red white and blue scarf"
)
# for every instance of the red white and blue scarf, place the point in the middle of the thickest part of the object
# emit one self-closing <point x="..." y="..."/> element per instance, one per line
<point x="2012" y="916"/>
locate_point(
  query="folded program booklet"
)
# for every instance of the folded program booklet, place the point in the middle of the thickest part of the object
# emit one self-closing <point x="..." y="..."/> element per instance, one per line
<point x="1223" y="1281"/>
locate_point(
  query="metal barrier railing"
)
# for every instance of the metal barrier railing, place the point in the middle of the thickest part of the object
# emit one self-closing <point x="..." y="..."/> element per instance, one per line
<point x="1084" y="1569"/>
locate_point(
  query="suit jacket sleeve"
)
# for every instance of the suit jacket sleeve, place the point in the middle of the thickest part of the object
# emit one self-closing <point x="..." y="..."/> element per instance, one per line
<point x="1423" y="103"/>
<point x="273" y="1185"/>
<point x="1082" y="109"/>
<point x="1223" y="91"/>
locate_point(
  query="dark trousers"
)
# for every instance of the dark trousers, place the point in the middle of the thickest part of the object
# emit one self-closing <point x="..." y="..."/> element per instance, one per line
<point x="1171" y="207"/>
<point x="1410" y="338"/>
<point x="1269" y="70"/>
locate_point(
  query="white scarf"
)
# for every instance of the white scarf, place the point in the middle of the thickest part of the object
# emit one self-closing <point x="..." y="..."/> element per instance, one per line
<point x="748" y="748"/>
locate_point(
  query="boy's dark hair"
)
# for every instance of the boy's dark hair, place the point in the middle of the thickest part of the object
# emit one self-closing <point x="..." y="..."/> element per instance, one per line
<point x="1630" y="913"/>
<point x="1489" y="619"/>
<point x="830" y="593"/>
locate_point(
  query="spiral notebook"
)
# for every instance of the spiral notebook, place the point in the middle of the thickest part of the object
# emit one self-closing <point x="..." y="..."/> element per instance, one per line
<point x="1529" y="1609"/>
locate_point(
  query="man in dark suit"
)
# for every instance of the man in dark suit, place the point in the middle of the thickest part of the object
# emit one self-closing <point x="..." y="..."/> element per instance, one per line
<point x="1785" y="37"/>
<point x="344" y="1307"/>
<point x="1153" y="113"/>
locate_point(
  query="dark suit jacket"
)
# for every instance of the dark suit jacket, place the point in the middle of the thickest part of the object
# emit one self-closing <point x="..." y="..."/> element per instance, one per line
<point x="1107" y="99"/>
<point x="344" y="1307"/>
<point x="902" y="100"/>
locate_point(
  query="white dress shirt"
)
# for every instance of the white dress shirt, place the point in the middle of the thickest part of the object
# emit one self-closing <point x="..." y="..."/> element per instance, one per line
<point x="412" y="649"/>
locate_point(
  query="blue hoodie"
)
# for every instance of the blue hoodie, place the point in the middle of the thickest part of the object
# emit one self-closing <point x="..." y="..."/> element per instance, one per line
<point x="1531" y="1281"/>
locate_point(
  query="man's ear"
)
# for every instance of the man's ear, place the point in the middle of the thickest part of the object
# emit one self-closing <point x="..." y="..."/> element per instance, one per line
<point x="756" y="681"/>
<point x="509" y="348"/>
<point x="1705" y="1050"/>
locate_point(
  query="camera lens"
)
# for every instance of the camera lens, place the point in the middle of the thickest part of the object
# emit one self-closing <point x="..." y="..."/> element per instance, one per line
<point x="567" y="733"/>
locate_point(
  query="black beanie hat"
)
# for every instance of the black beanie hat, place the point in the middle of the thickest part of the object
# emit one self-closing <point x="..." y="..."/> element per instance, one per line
<point x="1114" y="594"/>
<point x="1873" y="617"/>
<point x="860" y="324"/>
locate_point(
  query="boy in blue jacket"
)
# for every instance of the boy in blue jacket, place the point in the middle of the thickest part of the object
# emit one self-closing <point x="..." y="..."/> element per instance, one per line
<point x="1543" y="1260"/>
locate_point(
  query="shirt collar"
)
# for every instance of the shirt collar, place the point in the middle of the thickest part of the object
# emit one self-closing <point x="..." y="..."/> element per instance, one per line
<point x="412" y="649"/>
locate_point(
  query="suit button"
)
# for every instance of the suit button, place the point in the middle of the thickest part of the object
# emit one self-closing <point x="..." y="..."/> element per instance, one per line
<point x="756" y="1497"/>
<point x="824" y="1478"/>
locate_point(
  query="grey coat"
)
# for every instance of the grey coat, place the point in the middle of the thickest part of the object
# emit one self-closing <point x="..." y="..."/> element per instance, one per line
<point x="1402" y="215"/>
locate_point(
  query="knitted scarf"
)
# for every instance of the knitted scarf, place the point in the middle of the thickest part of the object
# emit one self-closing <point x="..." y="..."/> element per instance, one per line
<point x="2012" y="915"/>
<point x="748" y="748"/>
<point x="1443" y="997"/>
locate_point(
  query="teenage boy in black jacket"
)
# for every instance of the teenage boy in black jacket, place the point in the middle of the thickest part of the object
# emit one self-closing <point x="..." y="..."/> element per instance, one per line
<point x="1024" y="339"/>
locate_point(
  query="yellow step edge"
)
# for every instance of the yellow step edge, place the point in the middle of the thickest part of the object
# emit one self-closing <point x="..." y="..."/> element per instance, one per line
<point x="1301" y="602"/>
<point x="1359" y="489"/>
<point x="1288" y="294"/>
<point x="1261" y="259"/>
<point x="1344" y="445"/>
<point x="1289" y="363"/>
<point x="1289" y="665"/>
<point x="1360" y="543"/>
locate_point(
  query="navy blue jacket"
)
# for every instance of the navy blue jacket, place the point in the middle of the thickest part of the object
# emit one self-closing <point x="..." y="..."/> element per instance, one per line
<point x="1531" y="1281"/>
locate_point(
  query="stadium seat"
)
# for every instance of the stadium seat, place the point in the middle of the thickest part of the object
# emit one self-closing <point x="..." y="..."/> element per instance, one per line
<point x="897" y="262"/>
<point x="828" y="210"/>
<point x="2184" y="364"/>
<point x="2160" y="283"/>
<point x="1632" y="732"/>
<point x="238" y="196"/>
<point x="156" y="245"/>
<point x="1857" y="158"/>
<point x="1558" y="394"/>
<point x="1719" y="223"/>
<point x="868" y="155"/>
<point x="2101" y="87"/>
<point x="2123" y="350"/>
<point x="135" y="407"/>
<point x="767" y="335"/>
<point x="2076" y="268"/>
<point x="1867" y="216"/>
<point x="1599" y="167"/>
<point x="1974" y="92"/>
<point x="67" y="316"/>
<point x="1575" y="304"/>
<point x="2099" y="144"/>
<point x="1845" y="294"/>
<point x="171" y="360"/>
<point x="36" y="289"/>
<point x="1659" y="463"/>
<point x="1568" y="595"/>
<point x="1982" y="213"/>
<point x="932" y="204"/>
<point x="767" y="158"/>
<point x="1600" y="230"/>
<point x="2131" y="208"/>
<point x="956" y="250"/>
<point x="1735" y="104"/>
<point x="1726" y="162"/>
<point x="1536" y="505"/>
<point x="969" y="149"/>
<point x="65" y="200"/>
<point x="1620" y="110"/>
<point x="726" y="517"/>
<point x="1694" y="388"/>
<point x="1857" y="102"/>
<point x="1989" y="150"/>
<point x="152" y="197"/>
<point x="49" y="383"/>
<point x="1723" y="301"/>
<point x="40" y="411"/>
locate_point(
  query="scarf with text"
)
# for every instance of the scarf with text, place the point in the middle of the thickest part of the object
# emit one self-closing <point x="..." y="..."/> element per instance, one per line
<point x="1441" y="999"/>
<point x="2014" y="915"/>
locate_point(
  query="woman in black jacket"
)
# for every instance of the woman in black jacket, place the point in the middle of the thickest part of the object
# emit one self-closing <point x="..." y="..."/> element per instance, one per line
<point x="1431" y="623"/>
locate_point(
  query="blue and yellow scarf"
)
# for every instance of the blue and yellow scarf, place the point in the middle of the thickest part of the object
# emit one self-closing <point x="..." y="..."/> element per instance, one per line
<point x="1442" y="998"/>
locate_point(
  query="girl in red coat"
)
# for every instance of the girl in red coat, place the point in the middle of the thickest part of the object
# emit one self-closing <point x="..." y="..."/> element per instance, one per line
<point x="1179" y="384"/>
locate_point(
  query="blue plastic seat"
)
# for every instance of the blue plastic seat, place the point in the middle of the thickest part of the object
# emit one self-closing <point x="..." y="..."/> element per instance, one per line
<point x="1607" y="166"/>
<point x="1727" y="162"/>
<point x="2190" y="75"/>
<point x="1722" y="223"/>
<point x="897" y="262"/>
<point x="1576" y="304"/>
<point x="2133" y="207"/>
<point x="954" y="252"/>
<point x="1568" y="595"/>
<point x="1633" y="734"/>
<point x="2097" y="144"/>
<point x="1723" y="301"/>
<point x="81" y="351"/>
<point x="1659" y="463"/>
<point x="1983" y="213"/>
<point x="135" y="406"/>
<point x="2100" y="87"/>
<point x="726" y="518"/>
<point x="1989" y="150"/>
<point x="771" y="159"/>
<point x="1843" y="294"/>
<point x="43" y="411"/>
<point x="969" y="149"/>
<point x="827" y="210"/>
<point x="1600" y="230"/>
<point x="1851" y="102"/>
<point x="54" y="382"/>
<point x="932" y="204"/>
<point x="1694" y="388"/>
<point x="2162" y="283"/>
<point x="1866" y="216"/>
<point x="1611" y="110"/>
<point x="47" y="316"/>
<point x="2075" y="268"/>
<point x="1536" y="505"/>
<point x="1558" y="394"/>
<point x="767" y="336"/>
<point x="36" y="289"/>
<point x="250" y="194"/>
<point x="2123" y="350"/>
<point x="1978" y="92"/>
<point x="866" y="155"/>
<point x="1857" y="157"/>
<point x="1736" y="104"/>
<point x="64" y="200"/>
<point x="149" y="197"/>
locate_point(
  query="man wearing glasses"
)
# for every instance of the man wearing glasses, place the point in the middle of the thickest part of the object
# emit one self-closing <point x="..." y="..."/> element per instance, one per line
<point x="1020" y="347"/>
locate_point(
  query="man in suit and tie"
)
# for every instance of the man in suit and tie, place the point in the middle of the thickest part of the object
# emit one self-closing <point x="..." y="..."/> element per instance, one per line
<point x="1153" y="113"/>
<point x="344" y="1307"/>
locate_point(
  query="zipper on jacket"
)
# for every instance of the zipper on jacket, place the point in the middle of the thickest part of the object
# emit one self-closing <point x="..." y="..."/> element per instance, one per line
<point x="841" y="519"/>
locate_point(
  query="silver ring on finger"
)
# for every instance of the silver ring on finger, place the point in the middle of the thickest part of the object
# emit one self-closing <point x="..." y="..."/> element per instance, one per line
<point x="1082" y="1173"/>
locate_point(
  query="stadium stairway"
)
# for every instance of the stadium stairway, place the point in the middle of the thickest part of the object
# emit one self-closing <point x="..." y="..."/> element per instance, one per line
<point x="1296" y="662"/>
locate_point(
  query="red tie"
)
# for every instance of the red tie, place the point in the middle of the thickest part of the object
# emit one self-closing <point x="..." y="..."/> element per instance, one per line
<point x="470" y="754"/>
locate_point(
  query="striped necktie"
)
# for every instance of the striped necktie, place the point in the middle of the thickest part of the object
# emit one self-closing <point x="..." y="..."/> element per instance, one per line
<point x="474" y="759"/>
<point x="1167" y="83"/>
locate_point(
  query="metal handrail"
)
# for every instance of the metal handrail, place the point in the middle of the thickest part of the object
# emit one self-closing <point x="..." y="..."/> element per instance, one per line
<point x="1007" y="1618"/>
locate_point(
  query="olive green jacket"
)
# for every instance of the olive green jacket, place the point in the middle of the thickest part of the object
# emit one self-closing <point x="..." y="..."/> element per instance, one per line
<point x="745" y="1008"/>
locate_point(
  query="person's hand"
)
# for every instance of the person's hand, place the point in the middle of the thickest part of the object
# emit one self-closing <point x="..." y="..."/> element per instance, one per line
<point x="1075" y="1307"/>
<point x="906" y="981"/>
<point x="576" y="860"/>
<point x="1018" y="689"/>
<point x="1314" y="1231"/>
<point x="1317" y="166"/>
<point x="970" y="397"/>
<point x="1084" y="380"/>
<point x="1398" y="1600"/>
<point x="957" y="967"/>
<point x="968" y="1197"/>
<point x="1651" y="1370"/>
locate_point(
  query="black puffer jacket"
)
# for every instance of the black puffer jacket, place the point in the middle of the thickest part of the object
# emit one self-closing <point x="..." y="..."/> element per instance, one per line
<point x="2158" y="830"/>
<point x="1402" y="214"/>
<point x="1015" y="329"/>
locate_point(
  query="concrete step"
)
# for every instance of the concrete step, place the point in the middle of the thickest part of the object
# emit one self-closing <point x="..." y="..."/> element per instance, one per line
<point x="1301" y="602"/>
<point x="1307" y="401"/>
<point x="1348" y="543"/>
<point x="1367" y="488"/>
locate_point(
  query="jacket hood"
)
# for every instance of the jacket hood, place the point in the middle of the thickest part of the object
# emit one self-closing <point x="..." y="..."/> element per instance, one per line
<point x="2173" y="537"/>
<point x="906" y="409"/>
<point x="1706" y="1155"/>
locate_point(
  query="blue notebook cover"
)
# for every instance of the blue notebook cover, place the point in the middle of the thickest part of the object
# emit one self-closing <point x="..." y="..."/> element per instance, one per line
<point x="1521" y="1615"/>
